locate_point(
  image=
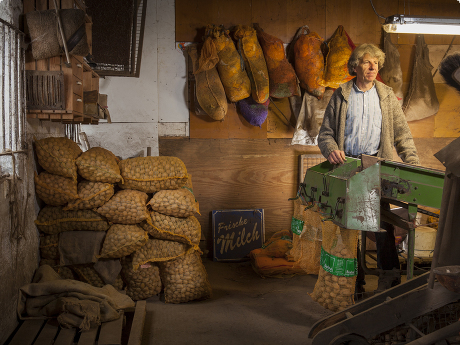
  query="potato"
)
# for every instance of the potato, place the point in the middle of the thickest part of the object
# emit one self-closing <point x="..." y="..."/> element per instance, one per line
<point x="49" y="247"/>
<point x="55" y="190"/>
<point x="91" y="195"/>
<point x="126" y="207"/>
<point x="99" y="165"/>
<point x="142" y="283"/>
<point x="158" y="250"/>
<point x="122" y="240"/>
<point x="53" y="220"/>
<point x="183" y="230"/>
<point x="151" y="174"/>
<point x="185" y="279"/>
<point x="57" y="156"/>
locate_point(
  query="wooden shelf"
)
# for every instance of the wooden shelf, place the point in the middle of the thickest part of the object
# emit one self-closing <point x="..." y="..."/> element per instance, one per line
<point x="63" y="117"/>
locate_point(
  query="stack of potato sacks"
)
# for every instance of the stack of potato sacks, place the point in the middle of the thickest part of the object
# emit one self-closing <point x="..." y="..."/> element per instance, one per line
<point x="155" y="244"/>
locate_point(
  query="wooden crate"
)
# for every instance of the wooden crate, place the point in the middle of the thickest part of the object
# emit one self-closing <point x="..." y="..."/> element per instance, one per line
<point x="78" y="76"/>
<point x="127" y="330"/>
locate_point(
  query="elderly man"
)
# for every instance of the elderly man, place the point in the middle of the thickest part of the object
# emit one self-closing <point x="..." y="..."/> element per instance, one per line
<point x="365" y="117"/>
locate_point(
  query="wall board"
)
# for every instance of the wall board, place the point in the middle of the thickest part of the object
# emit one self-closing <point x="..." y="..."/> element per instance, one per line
<point x="240" y="174"/>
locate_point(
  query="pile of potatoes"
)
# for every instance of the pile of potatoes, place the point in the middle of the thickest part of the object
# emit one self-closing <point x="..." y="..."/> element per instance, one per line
<point x="94" y="190"/>
<point x="164" y="227"/>
<point x="99" y="165"/>
<point x="126" y="207"/>
<point x="53" y="220"/>
<point x="49" y="246"/>
<point x="335" y="292"/>
<point x="179" y="203"/>
<point x="55" y="190"/>
<point x="185" y="279"/>
<point x="122" y="240"/>
<point x="151" y="174"/>
<point x="58" y="155"/>
<point x="143" y="283"/>
<point x="91" y="195"/>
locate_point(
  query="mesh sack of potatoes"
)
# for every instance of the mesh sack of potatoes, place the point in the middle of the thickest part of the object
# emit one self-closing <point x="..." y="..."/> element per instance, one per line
<point x="87" y="274"/>
<point x="91" y="195"/>
<point x="65" y="272"/>
<point x="306" y="227"/>
<point x="57" y="156"/>
<point x="49" y="246"/>
<point x="122" y="240"/>
<point x="158" y="250"/>
<point x="335" y="286"/>
<point x="163" y="227"/>
<point x="177" y="203"/>
<point x="55" y="190"/>
<point x="151" y="174"/>
<point x="126" y="207"/>
<point x="185" y="279"/>
<point x="53" y="220"/>
<point x="142" y="283"/>
<point x="99" y="165"/>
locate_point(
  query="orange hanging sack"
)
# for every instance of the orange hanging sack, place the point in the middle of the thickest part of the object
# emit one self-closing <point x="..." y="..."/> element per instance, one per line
<point x="235" y="80"/>
<point x="282" y="77"/>
<point x="309" y="61"/>
<point x="336" y="70"/>
<point x="254" y="61"/>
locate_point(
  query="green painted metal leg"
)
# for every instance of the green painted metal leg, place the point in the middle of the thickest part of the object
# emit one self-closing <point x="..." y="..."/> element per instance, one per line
<point x="412" y="209"/>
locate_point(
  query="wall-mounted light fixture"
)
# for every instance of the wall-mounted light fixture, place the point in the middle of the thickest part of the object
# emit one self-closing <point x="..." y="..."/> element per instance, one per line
<point x="422" y="25"/>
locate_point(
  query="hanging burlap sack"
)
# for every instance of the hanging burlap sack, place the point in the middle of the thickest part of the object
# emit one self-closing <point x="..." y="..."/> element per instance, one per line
<point x="49" y="246"/>
<point x="282" y="77"/>
<point x="42" y="27"/>
<point x="99" y="165"/>
<point x="421" y="100"/>
<point x="151" y="174"/>
<point x="253" y="112"/>
<point x="158" y="250"/>
<point x="73" y="20"/>
<point x="209" y="90"/>
<point x="143" y="283"/>
<point x="91" y="195"/>
<point x="126" y="207"/>
<point x="391" y="72"/>
<point x="236" y="82"/>
<point x="58" y="155"/>
<point x="53" y="220"/>
<point x="183" y="230"/>
<point x="177" y="203"/>
<point x="254" y="62"/>
<point x="122" y="240"/>
<point x="55" y="190"/>
<point x="185" y="279"/>
<point x="309" y="61"/>
<point x="307" y="238"/>
<point x="336" y="70"/>
<point x="335" y="286"/>
<point x="46" y="37"/>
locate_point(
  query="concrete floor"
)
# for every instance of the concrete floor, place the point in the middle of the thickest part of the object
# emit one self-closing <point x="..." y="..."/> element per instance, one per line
<point x="244" y="309"/>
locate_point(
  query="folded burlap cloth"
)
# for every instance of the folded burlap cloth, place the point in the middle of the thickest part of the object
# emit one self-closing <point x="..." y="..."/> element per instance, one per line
<point x="74" y="303"/>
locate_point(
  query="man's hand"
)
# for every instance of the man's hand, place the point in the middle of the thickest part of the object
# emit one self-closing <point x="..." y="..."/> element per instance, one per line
<point x="336" y="157"/>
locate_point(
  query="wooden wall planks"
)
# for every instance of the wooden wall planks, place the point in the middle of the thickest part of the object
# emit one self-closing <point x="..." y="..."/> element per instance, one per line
<point x="240" y="174"/>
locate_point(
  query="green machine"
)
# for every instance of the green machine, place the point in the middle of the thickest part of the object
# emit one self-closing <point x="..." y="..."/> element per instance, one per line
<point x="349" y="194"/>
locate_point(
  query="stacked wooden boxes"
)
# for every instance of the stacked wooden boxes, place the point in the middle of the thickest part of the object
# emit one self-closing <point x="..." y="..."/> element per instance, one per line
<point x="78" y="76"/>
